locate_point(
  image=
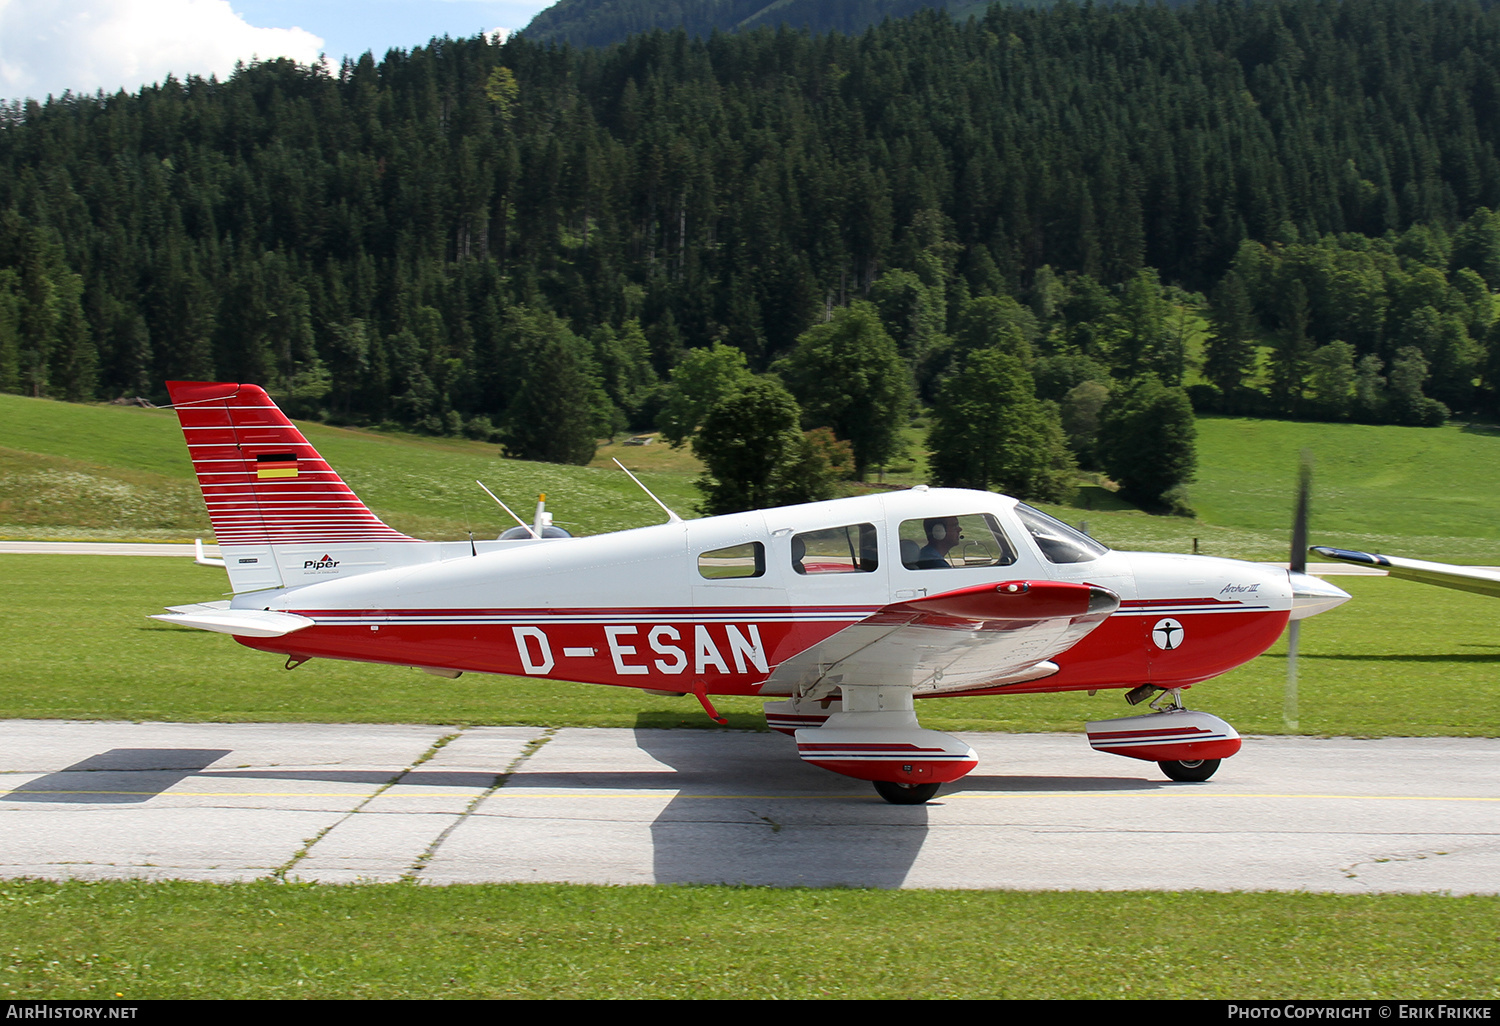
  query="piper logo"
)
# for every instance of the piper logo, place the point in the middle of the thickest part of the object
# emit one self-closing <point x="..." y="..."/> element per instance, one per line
<point x="326" y="563"/>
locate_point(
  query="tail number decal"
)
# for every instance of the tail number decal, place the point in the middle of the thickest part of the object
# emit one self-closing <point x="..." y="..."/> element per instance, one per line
<point x="662" y="649"/>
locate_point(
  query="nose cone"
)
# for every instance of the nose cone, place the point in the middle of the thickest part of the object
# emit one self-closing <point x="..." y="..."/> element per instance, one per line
<point x="1312" y="595"/>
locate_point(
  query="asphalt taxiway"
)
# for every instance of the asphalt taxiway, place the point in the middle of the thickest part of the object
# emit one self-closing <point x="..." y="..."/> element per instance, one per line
<point x="438" y="804"/>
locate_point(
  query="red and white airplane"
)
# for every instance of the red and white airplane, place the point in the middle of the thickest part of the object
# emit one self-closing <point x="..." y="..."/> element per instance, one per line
<point x="838" y="613"/>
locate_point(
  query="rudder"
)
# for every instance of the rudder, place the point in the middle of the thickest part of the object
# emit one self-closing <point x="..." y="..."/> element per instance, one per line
<point x="268" y="489"/>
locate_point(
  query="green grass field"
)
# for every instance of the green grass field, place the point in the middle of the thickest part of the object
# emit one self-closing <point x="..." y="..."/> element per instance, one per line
<point x="188" y="940"/>
<point x="1399" y="659"/>
<point x="1429" y="493"/>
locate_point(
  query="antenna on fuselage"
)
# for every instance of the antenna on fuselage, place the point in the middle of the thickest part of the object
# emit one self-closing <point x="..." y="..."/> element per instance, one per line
<point x="671" y="517"/>
<point x="534" y="534"/>
<point x="541" y="515"/>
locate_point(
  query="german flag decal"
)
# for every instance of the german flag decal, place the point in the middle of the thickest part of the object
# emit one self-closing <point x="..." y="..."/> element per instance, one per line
<point x="275" y="464"/>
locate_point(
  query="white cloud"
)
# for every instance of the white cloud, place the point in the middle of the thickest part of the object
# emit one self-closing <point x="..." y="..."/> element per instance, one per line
<point x="50" y="46"/>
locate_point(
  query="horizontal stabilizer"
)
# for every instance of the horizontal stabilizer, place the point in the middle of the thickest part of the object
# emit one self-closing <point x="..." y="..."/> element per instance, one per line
<point x="200" y="607"/>
<point x="249" y="623"/>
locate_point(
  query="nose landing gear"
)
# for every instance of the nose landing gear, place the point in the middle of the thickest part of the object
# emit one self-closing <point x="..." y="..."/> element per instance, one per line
<point x="906" y="794"/>
<point x="1189" y="770"/>
<point x="1187" y="745"/>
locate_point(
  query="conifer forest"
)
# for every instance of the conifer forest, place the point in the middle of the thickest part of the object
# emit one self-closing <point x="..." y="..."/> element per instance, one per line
<point x="1273" y="208"/>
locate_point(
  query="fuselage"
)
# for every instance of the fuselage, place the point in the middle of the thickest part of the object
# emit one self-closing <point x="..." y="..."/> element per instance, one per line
<point x="715" y="605"/>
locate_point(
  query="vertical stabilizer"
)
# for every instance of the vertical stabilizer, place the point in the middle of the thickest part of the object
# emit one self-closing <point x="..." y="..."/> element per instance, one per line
<point x="281" y="515"/>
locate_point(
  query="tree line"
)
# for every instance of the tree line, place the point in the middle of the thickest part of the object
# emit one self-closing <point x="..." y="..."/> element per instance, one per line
<point x="1285" y="208"/>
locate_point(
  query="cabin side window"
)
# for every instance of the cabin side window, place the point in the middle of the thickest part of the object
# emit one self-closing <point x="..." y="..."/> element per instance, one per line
<point x="943" y="543"/>
<point x="735" y="561"/>
<point x="851" y="549"/>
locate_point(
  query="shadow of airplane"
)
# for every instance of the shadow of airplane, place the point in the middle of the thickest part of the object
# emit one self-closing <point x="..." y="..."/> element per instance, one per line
<point x="120" y="776"/>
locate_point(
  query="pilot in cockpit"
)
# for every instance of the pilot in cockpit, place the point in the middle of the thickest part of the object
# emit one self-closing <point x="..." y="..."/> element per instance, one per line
<point x="943" y="533"/>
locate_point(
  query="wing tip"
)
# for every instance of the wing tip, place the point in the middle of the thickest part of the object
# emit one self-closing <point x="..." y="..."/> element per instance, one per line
<point x="1350" y="556"/>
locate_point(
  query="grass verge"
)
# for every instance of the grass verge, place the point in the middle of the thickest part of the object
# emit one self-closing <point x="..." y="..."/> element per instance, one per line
<point x="143" y="940"/>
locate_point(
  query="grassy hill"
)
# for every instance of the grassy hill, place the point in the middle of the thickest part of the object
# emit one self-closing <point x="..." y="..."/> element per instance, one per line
<point x="1427" y="493"/>
<point x="70" y="471"/>
<point x="1424" y="492"/>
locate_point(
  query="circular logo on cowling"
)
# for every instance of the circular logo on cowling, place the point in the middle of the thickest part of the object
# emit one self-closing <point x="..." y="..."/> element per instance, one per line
<point x="1167" y="634"/>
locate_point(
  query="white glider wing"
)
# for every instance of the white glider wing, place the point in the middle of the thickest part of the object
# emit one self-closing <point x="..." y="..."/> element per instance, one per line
<point x="1478" y="580"/>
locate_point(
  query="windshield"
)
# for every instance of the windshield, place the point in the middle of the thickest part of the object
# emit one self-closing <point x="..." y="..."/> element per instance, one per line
<point x="1058" y="542"/>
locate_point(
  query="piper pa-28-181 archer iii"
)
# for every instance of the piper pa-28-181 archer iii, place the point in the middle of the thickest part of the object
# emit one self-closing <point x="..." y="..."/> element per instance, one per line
<point x="838" y="613"/>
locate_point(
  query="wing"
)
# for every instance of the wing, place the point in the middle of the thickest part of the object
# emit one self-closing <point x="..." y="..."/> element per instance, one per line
<point x="959" y="640"/>
<point x="1445" y="575"/>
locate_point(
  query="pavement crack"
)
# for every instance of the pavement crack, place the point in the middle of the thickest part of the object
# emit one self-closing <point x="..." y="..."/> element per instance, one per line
<point x="281" y="872"/>
<point x="1351" y="871"/>
<point x="501" y="779"/>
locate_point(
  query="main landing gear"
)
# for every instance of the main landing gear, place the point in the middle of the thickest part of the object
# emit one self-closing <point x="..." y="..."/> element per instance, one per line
<point x="1187" y="745"/>
<point x="906" y="794"/>
<point x="871" y="733"/>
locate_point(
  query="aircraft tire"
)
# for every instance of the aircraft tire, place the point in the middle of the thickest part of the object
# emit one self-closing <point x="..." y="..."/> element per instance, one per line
<point x="906" y="794"/>
<point x="1189" y="771"/>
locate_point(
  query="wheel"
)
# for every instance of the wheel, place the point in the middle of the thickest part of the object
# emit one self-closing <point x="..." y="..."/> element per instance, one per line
<point x="1189" y="769"/>
<point x="906" y="794"/>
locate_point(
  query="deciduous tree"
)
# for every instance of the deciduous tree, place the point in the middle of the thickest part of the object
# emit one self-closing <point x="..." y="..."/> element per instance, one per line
<point x="848" y="376"/>
<point x="989" y="430"/>
<point x="755" y="454"/>
<point x="1147" y="440"/>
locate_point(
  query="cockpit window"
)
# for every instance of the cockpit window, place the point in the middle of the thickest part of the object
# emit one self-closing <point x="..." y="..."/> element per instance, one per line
<point x="1059" y="542"/>
<point x="940" y="543"/>
<point x="837" y="550"/>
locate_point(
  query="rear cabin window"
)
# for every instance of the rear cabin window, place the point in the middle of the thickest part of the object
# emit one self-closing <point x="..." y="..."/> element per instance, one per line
<point x="746" y="560"/>
<point x="837" y="550"/>
<point x="944" y="543"/>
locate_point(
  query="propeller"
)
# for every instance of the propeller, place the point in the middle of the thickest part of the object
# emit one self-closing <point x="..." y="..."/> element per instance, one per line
<point x="1298" y="565"/>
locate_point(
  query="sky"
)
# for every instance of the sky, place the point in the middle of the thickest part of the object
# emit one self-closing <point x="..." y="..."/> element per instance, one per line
<point x="50" y="46"/>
